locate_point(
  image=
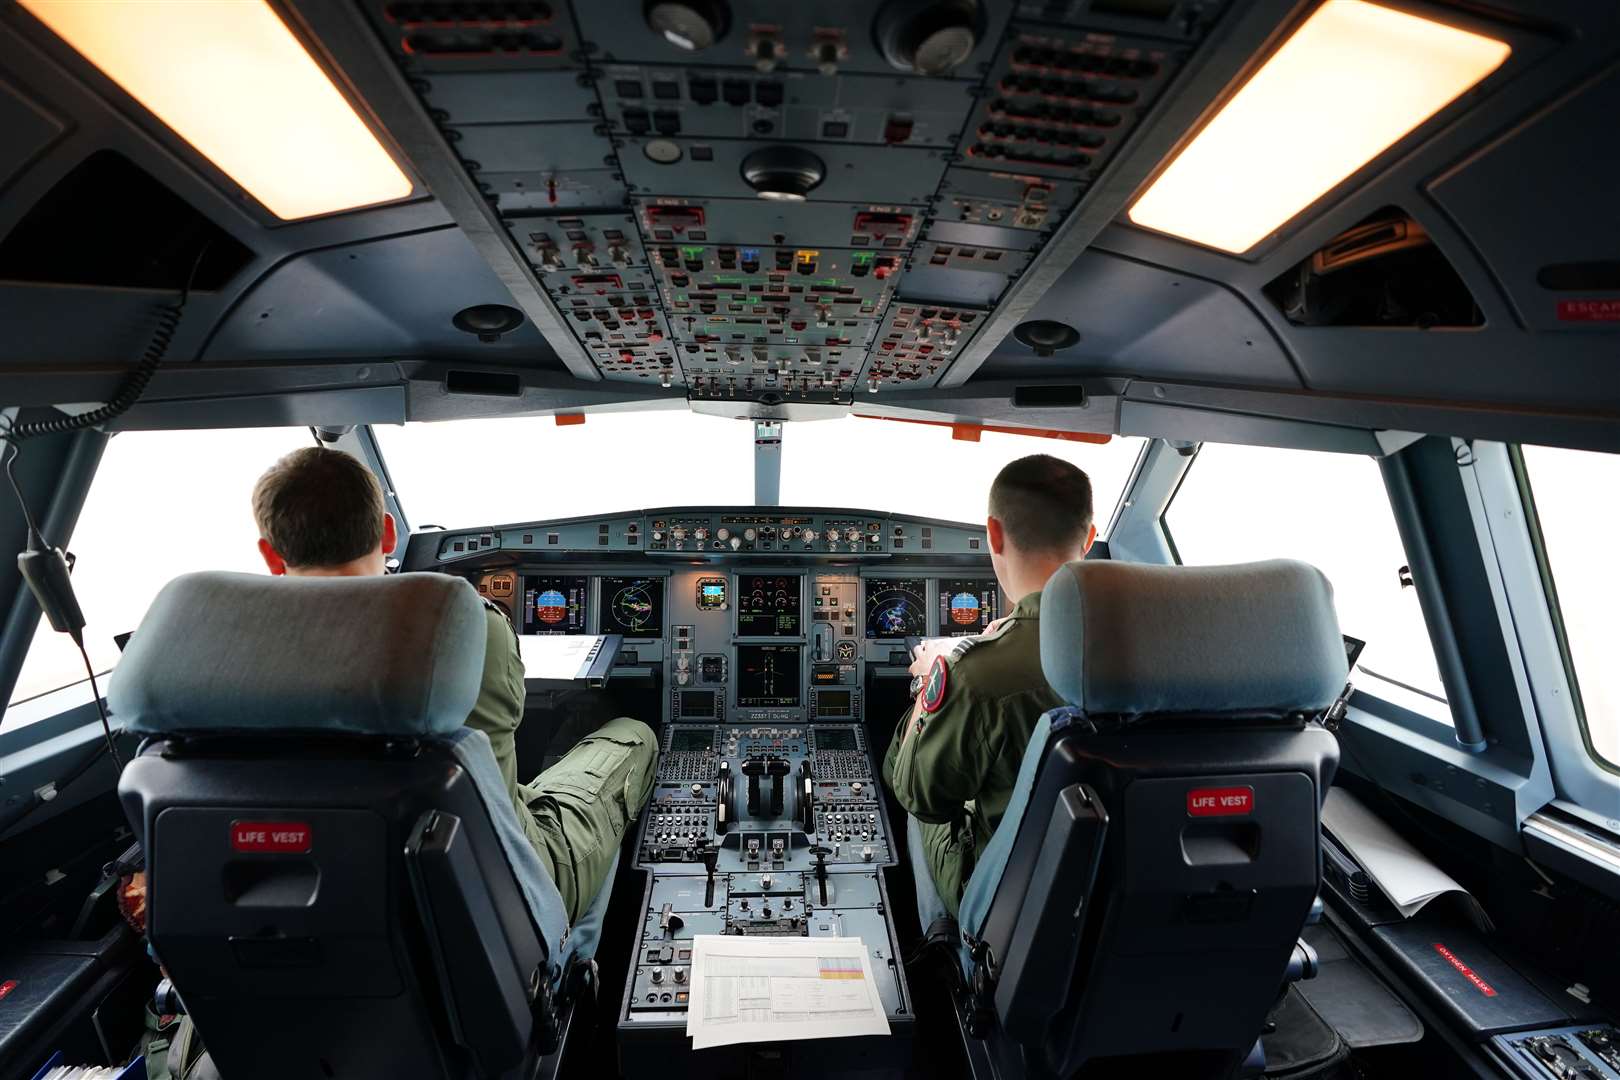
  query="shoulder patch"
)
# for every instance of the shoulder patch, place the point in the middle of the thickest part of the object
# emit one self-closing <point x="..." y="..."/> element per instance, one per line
<point x="934" y="690"/>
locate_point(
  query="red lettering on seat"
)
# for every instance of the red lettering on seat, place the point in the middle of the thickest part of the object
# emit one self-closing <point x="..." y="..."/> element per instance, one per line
<point x="276" y="837"/>
<point x="1220" y="801"/>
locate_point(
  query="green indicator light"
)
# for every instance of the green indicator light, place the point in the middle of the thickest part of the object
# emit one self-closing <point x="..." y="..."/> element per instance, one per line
<point x="862" y="257"/>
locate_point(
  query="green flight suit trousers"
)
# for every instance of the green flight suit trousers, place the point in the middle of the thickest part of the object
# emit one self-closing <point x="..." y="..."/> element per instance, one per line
<point x="583" y="804"/>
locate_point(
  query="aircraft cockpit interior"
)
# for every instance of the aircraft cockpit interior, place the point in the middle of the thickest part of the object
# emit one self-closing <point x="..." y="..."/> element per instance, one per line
<point x="858" y="540"/>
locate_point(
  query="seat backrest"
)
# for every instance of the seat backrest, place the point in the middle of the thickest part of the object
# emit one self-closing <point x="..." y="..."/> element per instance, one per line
<point x="1159" y="858"/>
<point x="337" y="881"/>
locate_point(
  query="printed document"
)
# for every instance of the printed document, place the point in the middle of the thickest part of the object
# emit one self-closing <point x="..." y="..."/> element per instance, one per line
<point x="1399" y="870"/>
<point x="766" y="989"/>
<point x="556" y="656"/>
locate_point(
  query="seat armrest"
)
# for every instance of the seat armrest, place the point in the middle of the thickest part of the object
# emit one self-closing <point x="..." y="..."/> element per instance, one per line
<point x="1037" y="964"/>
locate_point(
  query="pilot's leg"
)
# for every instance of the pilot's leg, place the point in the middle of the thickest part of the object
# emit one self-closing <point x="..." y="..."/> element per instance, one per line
<point x="584" y="803"/>
<point x="941" y="857"/>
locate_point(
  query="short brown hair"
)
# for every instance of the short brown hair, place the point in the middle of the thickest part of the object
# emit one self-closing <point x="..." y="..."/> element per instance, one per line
<point x="1043" y="503"/>
<point x="319" y="507"/>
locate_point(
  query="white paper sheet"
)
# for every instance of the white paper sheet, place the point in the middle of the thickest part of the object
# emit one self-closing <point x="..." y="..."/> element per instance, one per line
<point x="555" y="656"/>
<point x="767" y="989"/>
<point x="1400" y="870"/>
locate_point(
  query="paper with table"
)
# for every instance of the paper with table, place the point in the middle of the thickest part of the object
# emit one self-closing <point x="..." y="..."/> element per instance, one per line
<point x="1401" y="872"/>
<point x="766" y="989"/>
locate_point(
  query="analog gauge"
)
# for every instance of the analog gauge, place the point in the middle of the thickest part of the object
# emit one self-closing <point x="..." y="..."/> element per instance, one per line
<point x="896" y="608"/>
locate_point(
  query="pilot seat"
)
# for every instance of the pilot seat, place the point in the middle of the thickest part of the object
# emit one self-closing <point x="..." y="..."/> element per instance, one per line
<point x="1138" y="909"/>
<point x="338" y="882"/>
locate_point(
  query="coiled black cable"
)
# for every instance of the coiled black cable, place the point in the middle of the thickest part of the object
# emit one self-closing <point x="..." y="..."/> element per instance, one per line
<point x="168" y="323"/>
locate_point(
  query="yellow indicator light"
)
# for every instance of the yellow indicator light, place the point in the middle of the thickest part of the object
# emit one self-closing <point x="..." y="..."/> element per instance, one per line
<point x="1351" y="82"/>
<point x="230" y="79"/>
<point x="805" y="255"/>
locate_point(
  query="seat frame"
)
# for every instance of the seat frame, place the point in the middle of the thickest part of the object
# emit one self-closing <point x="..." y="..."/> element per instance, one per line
<point x="1079" y="957"/>
<point x="399" y="944"/>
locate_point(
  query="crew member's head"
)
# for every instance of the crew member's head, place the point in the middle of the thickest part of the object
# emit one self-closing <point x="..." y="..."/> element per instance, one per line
<point x="320" y="514"/>
<point x="1040" y="518"/>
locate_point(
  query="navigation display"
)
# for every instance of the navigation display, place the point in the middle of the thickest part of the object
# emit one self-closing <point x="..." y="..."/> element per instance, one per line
<point x="967" y="605"/>
<point x="768" y="606"/>
<point x="555" y="605"/>
<point x="896" y="607"/>
<point x="768" y="676"/>
<point x="633" y="606"/>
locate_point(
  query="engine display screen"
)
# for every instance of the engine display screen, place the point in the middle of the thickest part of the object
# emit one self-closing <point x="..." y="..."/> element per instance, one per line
<point x="768" y="606"/>
<point x="896" y="607"/>
<point x="834" y="705"/>
<point x="699" y="738"/>
<point x="768" y="676"/>
<point x="966" y="606"/>
<point x="633" y="606"/>
<point x="555" y="605"/>
<point x="838" y="738"/>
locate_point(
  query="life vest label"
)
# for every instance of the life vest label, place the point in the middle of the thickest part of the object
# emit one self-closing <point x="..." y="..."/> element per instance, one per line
<point x="276" y="837"/>
<point x="1220" y="801"/>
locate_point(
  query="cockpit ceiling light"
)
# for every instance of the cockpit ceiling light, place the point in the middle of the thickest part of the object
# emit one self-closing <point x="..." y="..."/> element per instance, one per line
<point x="1350" y="83"/>
<point x="229" y="78"/>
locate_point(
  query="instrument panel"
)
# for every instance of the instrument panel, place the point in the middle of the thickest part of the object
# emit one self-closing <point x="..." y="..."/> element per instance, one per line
<point x="783" y="621"/>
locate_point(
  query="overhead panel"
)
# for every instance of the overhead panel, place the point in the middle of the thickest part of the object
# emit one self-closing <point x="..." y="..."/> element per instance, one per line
<point x="785" y="202"/>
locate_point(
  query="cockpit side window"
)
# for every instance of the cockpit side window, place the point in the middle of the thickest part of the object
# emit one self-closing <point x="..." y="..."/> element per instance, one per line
<point x="1571" y="503"/>
<point x="1242" y="503"/>
<point x="162" y="503"/>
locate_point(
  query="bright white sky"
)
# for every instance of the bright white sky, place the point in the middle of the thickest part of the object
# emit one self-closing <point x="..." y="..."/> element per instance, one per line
<point x="1240" y="503"/>
<point x="1237" y="504"/>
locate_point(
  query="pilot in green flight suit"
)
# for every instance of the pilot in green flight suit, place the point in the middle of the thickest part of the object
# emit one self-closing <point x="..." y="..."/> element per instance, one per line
<point x="320" y="513"/>
<point x="955" y="754"/>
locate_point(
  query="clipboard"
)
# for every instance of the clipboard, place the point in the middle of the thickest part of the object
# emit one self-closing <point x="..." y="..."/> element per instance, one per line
<point x="568" y="661"/>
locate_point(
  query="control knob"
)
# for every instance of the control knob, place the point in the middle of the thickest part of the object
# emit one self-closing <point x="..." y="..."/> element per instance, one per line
<point x="809" y="536"/>
<point x="722" y="534"/>
<point x="749" y="534"/>
<point x="852" y="534"/>
<point x="701" y="534"/>
<point x="680" y="975"/>
<point x="658" y="534"/>
<point x="657" y="975"/>
<point x="736" y="542"/>
<point x="691" y="26"/>
<point x="678" y="533"/>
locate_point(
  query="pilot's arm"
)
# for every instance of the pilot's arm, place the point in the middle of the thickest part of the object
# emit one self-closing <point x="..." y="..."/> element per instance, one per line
<point x="499" y="710"/>
<point x="939" y="757"/>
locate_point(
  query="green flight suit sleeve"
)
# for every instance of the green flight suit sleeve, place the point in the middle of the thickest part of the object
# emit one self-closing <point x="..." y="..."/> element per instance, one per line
<point x="944" y="759"/>
<point x="499" y="709"/>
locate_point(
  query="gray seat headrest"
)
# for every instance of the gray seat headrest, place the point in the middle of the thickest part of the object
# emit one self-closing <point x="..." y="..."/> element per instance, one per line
<point x="1133" y="639"/>
<point x="400" y="655"/>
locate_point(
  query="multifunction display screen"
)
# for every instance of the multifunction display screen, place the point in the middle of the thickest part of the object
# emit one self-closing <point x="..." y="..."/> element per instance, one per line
<point x="633" y="606"/>
<point x="896" y="607"/>
<point x="555" y="605"/>
<point x="832" y="705"/>
<point x="838" y="738"/>
<point x="966" y="605"/>
<point x="768" y="605"/>
<point x="688" y="739"/>
<point x="768" y="676"/>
